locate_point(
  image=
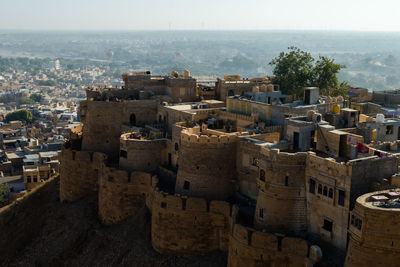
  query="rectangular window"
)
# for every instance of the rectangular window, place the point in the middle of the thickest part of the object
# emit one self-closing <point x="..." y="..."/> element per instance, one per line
<point x="262" y="175"/>
<point x="328" y="225"/>
<point x="312" y="186"/>
<point x="123" y="154"/>
<point x="341" y="198"/>
<point x="261" y="212"/>
<point x="35" y="179"/>
<point x="186" y="185"/>
<point x="389" y="129"/>
<point x="28" y="179"/>
<point x="163" y="205"/>
<point x="110" y="179"/>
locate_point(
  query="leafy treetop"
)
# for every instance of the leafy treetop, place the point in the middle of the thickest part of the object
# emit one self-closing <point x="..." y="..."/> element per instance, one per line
<point x="297" y="69"/>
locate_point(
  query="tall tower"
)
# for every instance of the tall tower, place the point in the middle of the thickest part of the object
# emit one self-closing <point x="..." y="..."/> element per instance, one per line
<point x="281" y="203"/>
<point x="206" y="164"/>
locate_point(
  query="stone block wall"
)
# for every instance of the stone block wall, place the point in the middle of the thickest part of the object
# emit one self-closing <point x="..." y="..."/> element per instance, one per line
<point x="142" y="155"/>
<point x="189" y="226"/>
<point x="206" y="165"/>
<point x="374" y="234"/>
<point x="79" y="172"/>
<point x="281" y="203"/>
<point x="104" y="120"/>
<point x="248" y="247"/>
<point x="123" y="194"/>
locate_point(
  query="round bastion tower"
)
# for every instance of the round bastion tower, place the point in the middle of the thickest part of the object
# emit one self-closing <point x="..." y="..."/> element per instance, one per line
<point x="206" y="162"/>
<point x="374" y="230"/>
<point x="281" y="203"/>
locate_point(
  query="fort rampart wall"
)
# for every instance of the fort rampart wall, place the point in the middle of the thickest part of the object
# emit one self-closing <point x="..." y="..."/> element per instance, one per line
<point x="374" y="234"/>
<point x="22" y="220"/>
<point x="207" y="165"/>
<point x="142" y="155"/>
<point x="188" y="226"/>
<point x="248" y="247"/>
<point x="123" y="194"/>
<point x="79" y="171"/>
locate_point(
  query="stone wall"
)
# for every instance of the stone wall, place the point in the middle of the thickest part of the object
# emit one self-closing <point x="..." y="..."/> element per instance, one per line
<point x="188" y="226"/>
<point x="123" y="194"/>
<point x="246" y="168"/>
<point x="104" y="120"/>
<point x="374" y="234"/>
<point x="281" y="204"/>
<point x="248" y="247"/>
<point x="206" y="165"/>
<point x="325" y="180"/>
<point x="22" y="221"/>
<point x="142" y="155"/>
<point x="79" y="172"/>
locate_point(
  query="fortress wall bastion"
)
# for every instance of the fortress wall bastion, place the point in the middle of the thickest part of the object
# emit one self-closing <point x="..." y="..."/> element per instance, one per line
<point x="104" y="120"/>
<point x="189" y="226"/>
<point x="207" y="165"/>
<point x="248" y="247"/>
<point x="142" y="155"/>
<point x="374" y="231"/>
<point x="281" y="203"/>
<point x="79" y="172"/>
<point x="123" y="194"/>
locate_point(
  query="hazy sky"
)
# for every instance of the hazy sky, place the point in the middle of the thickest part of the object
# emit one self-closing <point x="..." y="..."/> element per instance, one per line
<point x="369" y="15"/>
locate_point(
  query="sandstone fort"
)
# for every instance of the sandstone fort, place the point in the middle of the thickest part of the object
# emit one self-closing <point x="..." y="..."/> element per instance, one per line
<point x="239" y="167"/>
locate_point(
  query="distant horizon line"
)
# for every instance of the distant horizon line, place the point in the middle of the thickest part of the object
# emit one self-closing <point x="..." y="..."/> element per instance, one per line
<point x="200" y="30"/>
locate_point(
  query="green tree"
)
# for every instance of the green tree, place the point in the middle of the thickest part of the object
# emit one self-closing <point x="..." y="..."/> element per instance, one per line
<point x="325" y="72"/>
<point x="26" y="101"/>
<point x="47" y="83"/>
<point x="295" y="70"/>
<point x="36" y="97"/>
<point x="19" y="115"/>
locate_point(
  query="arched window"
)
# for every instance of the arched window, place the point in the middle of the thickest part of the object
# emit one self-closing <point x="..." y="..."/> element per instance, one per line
<point x="132" y="119"/>
<point x="325" y="191"/>
<point x="176" y="147"/>
<point x="330" y="194"/>
<point x="319" y="189"/>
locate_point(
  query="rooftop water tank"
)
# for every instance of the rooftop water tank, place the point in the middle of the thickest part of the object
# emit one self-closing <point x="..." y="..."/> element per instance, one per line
<point x="380" y="118"/>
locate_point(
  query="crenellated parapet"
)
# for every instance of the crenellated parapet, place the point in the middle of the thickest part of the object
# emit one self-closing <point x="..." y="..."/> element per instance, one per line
<point x="249" y="247"/>
<point x="189" y="226"/>
<point x="207" y="164"/>
<point x="123" y="194"/>
<point x="373" y="229"/>
<point x="210" y="137"/>
<point x="79" y="172"/>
